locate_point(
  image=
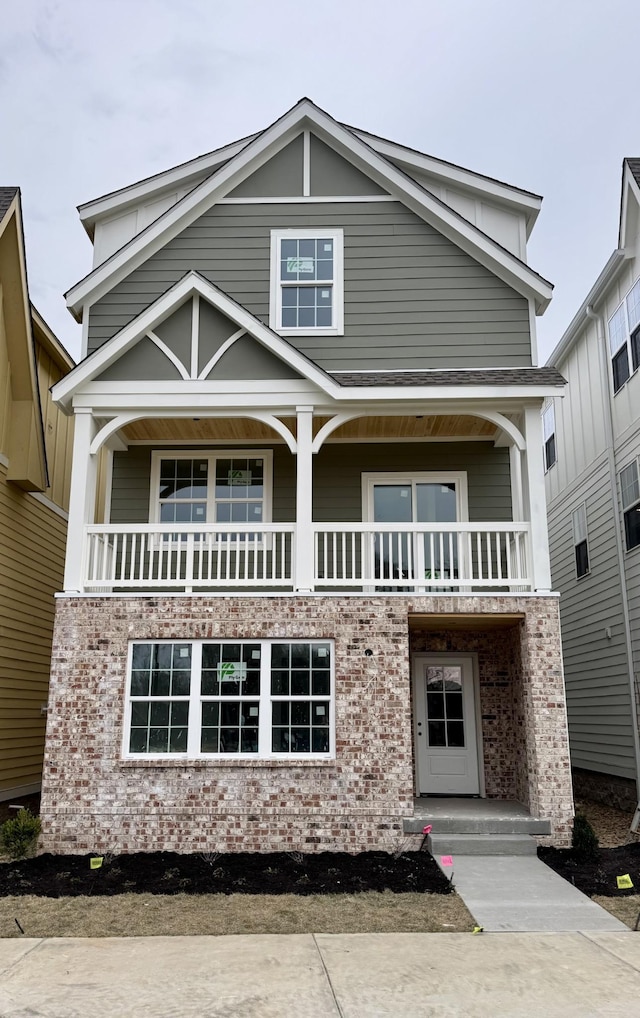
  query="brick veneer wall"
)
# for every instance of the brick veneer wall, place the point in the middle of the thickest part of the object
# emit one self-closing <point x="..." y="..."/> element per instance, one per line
<point x="92" y="800"/>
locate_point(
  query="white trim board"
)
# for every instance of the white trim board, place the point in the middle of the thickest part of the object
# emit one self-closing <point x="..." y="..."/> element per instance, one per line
<point x="307" y="115"/>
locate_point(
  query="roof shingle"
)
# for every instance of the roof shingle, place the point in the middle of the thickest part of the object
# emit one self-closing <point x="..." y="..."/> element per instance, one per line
<point x="7" y="194"/>
<point x="476" y="376"/>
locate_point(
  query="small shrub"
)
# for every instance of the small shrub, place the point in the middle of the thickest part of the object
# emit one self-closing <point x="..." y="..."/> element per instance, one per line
<point x="19" y="834"/>
<point x="584" y="842"/>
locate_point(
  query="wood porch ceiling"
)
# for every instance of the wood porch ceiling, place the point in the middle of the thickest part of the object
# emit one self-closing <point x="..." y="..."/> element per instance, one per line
<point x="472" y="621"/>
<point x="363" y="428"/>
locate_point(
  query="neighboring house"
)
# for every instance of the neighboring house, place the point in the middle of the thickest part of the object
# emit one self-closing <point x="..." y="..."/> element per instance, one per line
<point x="36" y="442"/>
<point x="592" y="452"/>
<point x="319" y="583"/>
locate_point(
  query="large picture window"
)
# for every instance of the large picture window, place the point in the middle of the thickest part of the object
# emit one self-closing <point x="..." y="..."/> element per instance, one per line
<point x="307" y="281"/>
<point x="217" y="698"/>
<point x="230" y="486"/>
<point x="624" y="338"/>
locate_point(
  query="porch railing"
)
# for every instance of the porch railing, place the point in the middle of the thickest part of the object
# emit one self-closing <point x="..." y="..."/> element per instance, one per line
<point x="441" y="557"/>
<point x="188" y="556"/>
<point x="371" y="557"/>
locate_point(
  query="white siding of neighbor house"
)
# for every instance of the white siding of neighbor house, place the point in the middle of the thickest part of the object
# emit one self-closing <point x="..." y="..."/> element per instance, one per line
<point x="593" y="635"/>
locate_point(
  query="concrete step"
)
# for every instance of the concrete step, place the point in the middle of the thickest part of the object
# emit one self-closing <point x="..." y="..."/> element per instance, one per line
<point x="480" y="844"/>
<point x="477" y="825"/>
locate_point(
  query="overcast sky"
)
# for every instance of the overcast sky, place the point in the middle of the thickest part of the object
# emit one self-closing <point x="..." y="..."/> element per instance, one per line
<point x="95" y="94"/>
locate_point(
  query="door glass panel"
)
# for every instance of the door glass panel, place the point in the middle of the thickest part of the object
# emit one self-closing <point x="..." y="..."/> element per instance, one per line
<point x="436" y="503"/>
<point x="393" y="503"/>
<point x="437" y="735"/>
<point x="444" y="707"/>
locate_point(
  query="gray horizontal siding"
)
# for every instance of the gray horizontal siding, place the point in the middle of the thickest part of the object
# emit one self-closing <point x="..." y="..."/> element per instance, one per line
<point x="412" y="298"/>
<point x="337" y="494"/>
<point x="596" y="666"/>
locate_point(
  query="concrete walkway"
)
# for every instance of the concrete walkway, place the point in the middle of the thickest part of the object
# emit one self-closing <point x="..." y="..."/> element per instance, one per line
<point x="429" y="975"/>
<point x="521" y="894"/>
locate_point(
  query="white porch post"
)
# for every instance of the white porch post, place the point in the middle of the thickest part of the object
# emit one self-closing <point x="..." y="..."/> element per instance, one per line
<point x="517" y="501"/>
<point x="304" y="552"/>
<point x="82" y="497"/>
<point x="536" y="502"/>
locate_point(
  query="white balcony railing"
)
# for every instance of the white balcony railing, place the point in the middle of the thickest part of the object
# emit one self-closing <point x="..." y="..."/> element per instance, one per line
<point x="439" y="557"/>
<point x="187" y="556"/>
<point x="373" y="557"/>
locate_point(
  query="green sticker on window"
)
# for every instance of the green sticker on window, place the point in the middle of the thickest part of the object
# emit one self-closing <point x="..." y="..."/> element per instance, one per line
<point x="299" y="264"/>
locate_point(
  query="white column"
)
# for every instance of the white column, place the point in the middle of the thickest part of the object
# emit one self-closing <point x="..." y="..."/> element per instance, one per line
<point x="304" y="551"/>
<point x="82" y="497"/>
<point x="517" y="500"/>
<point x="535" y="499"/>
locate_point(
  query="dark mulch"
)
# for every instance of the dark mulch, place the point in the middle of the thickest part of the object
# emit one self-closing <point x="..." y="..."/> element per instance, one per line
<point x="56" y="876"/>
<point x="597" y="876"/>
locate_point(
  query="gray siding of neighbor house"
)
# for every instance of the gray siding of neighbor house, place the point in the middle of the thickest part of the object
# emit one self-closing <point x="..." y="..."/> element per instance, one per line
<point x="595" y="665"/>
<point x="412" y="298"/>
<point x="337" y="483"/>
<point x="626" y="451"/>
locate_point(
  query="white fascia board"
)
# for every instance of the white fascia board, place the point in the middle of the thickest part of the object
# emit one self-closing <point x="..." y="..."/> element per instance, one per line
<point x="151" y="187"/>
<point x="190" y="284"/>
<point x="458" y="176"/>
<point x="462" y="233"/>
<point x="595" y="295"/>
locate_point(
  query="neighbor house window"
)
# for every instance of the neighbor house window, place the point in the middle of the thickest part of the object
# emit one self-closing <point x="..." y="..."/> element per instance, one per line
<point x="630" y="492"/>
<point x="307" y="281"/>
<point x="231" y="486"/>
<point x="549" y="436"/>
<point x="218" y="698"/>
<point x="580" y="540"/>
<point x="624" y="337"/>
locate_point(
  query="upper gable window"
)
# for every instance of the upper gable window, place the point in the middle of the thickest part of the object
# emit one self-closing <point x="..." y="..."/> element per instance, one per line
<point x="307" y="282"/>
<point x="624" y="338"/>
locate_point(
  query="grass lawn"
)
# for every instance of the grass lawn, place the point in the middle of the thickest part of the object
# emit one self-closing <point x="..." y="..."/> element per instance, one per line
<point x="624" y="909"/>
<point x="141" y="915"/>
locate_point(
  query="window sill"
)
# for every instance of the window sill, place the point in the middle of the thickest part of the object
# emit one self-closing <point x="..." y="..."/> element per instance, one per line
<point x="199" y="763"/>
<point x="309" y="332"/>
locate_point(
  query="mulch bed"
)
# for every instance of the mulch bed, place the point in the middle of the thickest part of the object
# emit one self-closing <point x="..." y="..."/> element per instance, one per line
<point x="56" y="876"/>
<point x="597" y="876"/>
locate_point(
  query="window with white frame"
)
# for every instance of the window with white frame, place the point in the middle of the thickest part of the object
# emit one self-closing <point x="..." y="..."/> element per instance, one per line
<point x="549" y="436"/>
<point x="219" y="698"/>
<point x="224" y="486"/>
<point x="624" y="338"/>
<point x="307" y="282"/>
<point x="580" y="540"/>
<point x="630" y="493"/>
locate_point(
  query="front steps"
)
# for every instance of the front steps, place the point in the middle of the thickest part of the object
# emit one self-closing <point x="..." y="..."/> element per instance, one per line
<point x="476" y="827"/>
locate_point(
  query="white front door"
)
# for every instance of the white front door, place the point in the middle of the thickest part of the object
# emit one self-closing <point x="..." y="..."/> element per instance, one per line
<point x="445" y="725"/>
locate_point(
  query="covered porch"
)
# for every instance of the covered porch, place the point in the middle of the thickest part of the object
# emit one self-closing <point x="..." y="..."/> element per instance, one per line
<point x="326" y="524"/>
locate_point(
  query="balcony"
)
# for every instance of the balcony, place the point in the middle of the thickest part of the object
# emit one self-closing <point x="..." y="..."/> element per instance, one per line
<point x="372" y="558"/>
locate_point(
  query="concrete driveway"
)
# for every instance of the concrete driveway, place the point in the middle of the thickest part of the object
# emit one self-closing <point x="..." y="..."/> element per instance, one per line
<point x="456" y="975"/>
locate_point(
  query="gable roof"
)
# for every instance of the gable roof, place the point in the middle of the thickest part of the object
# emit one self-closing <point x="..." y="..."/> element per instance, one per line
<point x="256" y="152"/>
<point x="614" y="265"/>
<point x="191" y="283"/>
<point x="193" y="170"/>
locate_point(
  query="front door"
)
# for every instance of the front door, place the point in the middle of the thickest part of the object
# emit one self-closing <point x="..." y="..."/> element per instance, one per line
<point x="445" y="725"/>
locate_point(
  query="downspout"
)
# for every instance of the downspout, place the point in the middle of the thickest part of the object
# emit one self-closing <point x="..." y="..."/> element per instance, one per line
<point x="613" y="484"/>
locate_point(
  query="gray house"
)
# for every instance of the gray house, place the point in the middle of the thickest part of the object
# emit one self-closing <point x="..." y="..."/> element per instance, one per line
<point x="592" y="459"/>
<point x="315" y="589"/>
